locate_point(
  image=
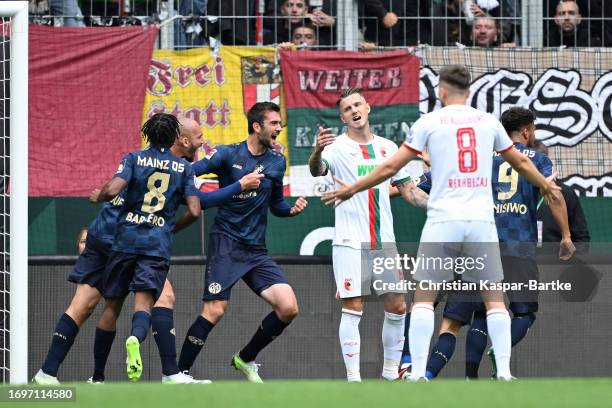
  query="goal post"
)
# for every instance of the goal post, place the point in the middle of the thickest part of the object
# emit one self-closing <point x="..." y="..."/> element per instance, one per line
<point x="15" y="251"/>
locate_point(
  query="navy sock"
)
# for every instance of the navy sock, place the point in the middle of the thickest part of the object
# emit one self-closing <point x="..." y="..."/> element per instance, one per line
<point x="406" y="358"/>
<point x="475" y="344"/>
<point x="194" y="340"/>
<point x="141" y="321"/>
<point x="63" y="337"/>
<point x="441" y="354"/>
<point x="162" y="323"/>
<point x="102" y="347"/>
<point x="270" y="328"/>
<point x="520" y="326"/>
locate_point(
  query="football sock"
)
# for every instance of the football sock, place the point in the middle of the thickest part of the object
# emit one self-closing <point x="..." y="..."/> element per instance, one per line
<point x="441" y="354"/>
<point x="421" y="330"/>
<point x="102" y="347"/>
<point x="350" y="342"/>
<point x="520" y="326"/>
<point x="63" y="337"/>
<point x="498" y="324"/>
<point x="194" y="341"/>
<point x="475" y="344"/>
<point x="270" y="328"/>
<point x="406" y="352"/>
<point x="141" y="321"/>
<point x="162" y="324"/>
<point x="392" y="340"/>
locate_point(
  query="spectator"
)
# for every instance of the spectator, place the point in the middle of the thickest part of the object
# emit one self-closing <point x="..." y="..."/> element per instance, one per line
<point x="69" y="12"/>
<point x="279" y="27"/>
<point x="397" y="22"/>
<point x="485" y="33"/>
<point x="302" y="37"/>
<point x="321" y="14"/>
<point x="596" y="16"/>
<point x="577" y="222"/>
<point x="568" y="29"/>
<point x="231" y="30"/>
<point x="449" y="25"/>
<point x="188" y="32"/>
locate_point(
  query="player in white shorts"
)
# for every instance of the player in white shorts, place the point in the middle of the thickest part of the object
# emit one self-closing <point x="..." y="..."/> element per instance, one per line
<point x="364" y="231"/>
<point x="460" y="224"/>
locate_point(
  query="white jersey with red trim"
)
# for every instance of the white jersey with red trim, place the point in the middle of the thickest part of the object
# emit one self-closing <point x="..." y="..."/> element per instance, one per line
<point x="460" y="141"/>
<point x="366" y="217"/>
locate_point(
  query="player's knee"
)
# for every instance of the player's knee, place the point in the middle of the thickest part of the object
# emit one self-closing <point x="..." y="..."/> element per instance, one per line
<point x="398" y="308"/>
<point x="166" y="300"/>
<point x="450" y="326"/>
<point x="288" y="312"/>
<point x="213" y="311"/>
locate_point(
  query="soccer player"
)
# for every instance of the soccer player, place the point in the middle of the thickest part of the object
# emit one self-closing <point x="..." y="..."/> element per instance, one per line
<point x="156" y="183"/>
<point x="88" y="276"/>
<point x="237" y="240"/>
<point x="516" y="203"/>
<point x="460" y="141"/>
<point x="89" y="271"/>
<point x="364" y="231"/>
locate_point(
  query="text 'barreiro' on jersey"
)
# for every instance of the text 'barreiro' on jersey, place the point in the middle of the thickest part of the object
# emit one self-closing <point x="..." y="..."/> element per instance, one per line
<point x="158" y="182"/>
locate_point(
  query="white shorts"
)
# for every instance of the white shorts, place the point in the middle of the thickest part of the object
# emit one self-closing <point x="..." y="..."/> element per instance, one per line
<point x="356" y="270"/>
<point x="469" y="249"/>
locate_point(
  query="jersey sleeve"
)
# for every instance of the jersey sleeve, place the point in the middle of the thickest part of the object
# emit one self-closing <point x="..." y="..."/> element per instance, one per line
<point x="402" y="176"/>
<point x="502" y="140"/>
<point x="212" y="162"/>
<point x="126" y="167"/>
<point x="417" y="137"/>
<point x="278" y="206"/>
<point x="327" y="157"/>
<point x="544" y="164"/>
<point x="189" y="187"/>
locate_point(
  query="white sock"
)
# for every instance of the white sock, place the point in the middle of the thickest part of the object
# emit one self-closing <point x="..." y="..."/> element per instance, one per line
<point x="393" y="343"/>
<point x="498" y="325"/>
<point x="419" y="337"/>
<point x="350" y="342"/>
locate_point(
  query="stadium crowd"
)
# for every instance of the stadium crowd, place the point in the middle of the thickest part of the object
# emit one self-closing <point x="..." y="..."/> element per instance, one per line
<point x="381" y="23"/>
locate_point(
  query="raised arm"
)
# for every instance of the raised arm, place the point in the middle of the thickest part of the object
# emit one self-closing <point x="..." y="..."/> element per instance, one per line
<point x="324" y="138"/>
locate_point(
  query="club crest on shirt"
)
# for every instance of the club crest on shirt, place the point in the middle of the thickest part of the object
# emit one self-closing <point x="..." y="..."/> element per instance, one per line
<point x="383" y="152"/>
<point x="259" y="169"/>
<point x="348" y="284"/>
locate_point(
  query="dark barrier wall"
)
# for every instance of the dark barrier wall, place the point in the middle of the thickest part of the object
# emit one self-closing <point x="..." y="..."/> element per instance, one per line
<point x="570" y="338"/>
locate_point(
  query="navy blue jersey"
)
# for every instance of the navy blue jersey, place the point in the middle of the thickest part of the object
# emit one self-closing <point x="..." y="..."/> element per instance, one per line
<point x="245" y="215"/>
<point x="424" y="182"/>
<point x="516" y="202"/>
<point x="158" y="181"/>
<point x="104" y="225"/>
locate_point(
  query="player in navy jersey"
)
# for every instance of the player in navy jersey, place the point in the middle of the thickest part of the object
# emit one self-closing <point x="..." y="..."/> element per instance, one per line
<point x="516" y="203"/>
<point x="237" y="239"/>
<point x="88" y="275"/>
<point x="156" y="182"/>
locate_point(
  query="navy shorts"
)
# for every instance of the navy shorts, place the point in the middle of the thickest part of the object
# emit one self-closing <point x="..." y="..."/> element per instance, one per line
<point x="229" y="261"/>
<point x="134" y="273"/>
<point x="460" y="306"/>
<point x="521" y="270"/>
<point x="89" y="268"/>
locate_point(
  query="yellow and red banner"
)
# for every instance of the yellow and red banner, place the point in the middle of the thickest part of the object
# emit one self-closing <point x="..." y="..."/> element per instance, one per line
<point x="215" y="89"/>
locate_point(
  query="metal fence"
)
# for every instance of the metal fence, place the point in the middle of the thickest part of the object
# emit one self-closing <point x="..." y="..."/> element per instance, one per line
<point x="347" y="24"/>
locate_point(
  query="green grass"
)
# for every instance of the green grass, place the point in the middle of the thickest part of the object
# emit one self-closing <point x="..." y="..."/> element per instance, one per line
<point x="557" y="393"/>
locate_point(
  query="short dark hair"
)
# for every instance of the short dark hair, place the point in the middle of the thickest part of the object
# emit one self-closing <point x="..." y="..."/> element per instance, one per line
<point x="516" y="119"/>
<point x="258" y="111"/>
<point x="306" y="3"/>
<point x="161" y="130"/>
<point x="348" y="92"/>
<point x="456" y="76"/>
<point x="305" y="25"/>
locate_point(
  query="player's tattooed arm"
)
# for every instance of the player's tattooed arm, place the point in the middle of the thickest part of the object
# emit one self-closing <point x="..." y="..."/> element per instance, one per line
<point x="413" y="195"/>
<point x="325" y="137"/>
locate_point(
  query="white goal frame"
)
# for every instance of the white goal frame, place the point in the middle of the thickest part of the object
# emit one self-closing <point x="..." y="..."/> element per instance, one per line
<point x="18" y="352"/>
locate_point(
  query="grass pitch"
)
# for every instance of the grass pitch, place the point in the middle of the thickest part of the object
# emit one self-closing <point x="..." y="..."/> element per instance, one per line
<point x="525" y="393"/>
